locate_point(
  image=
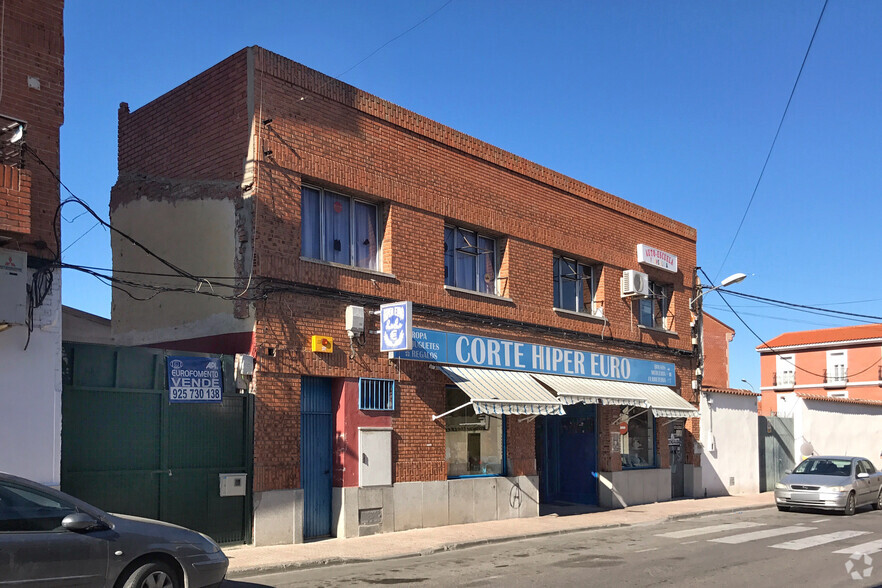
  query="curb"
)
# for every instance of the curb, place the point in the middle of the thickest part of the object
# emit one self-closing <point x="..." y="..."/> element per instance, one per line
<point x="260" y="570"/>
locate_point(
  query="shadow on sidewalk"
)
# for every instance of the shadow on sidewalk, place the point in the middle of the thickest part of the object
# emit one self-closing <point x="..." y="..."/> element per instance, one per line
<point x="565" y="509"/>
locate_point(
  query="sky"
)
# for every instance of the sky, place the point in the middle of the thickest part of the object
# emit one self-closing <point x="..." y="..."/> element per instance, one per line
<point x="671" y="105"/>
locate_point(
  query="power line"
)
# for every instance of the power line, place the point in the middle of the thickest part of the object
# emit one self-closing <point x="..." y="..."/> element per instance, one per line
<point x="775" y="140"/>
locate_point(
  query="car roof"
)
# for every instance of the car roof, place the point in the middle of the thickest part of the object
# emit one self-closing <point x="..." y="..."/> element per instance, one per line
<point x="844" y="457"/>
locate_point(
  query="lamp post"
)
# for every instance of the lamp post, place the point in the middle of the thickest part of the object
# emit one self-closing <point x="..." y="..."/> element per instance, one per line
<point x="695" y="305"/>
<point x="752" y="389"/>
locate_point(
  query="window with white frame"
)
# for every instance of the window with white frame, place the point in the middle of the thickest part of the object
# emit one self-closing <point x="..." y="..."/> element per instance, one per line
<point x="469" y="260"/>
<point x="573" y="285"/>
<point x="837" y="367"/>
<point x="339" y="229"/>
<point x="785" y="370"/>
<point x="655" y="311"/>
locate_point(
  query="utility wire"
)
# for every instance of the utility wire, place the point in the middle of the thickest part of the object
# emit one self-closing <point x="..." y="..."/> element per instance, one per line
<point x="775" y="140"/>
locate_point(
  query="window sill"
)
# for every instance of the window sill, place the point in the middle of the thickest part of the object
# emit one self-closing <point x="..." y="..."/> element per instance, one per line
<point x="581" y="315"/>
<point x="837" y="384"/>
<point x="657" y="330"/>
<point x="456" y="290"/>
<point x="354" y="268"/>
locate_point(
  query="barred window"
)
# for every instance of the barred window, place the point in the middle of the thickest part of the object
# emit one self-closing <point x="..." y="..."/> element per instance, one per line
<point x="376" y="394"/>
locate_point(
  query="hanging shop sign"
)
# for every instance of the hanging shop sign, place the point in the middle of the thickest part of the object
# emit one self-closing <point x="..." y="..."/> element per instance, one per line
<point x="458" y="349"/>
<point x="657" y="257"/>
<point x="194" y="379"/>
<point x="396" y="326"/>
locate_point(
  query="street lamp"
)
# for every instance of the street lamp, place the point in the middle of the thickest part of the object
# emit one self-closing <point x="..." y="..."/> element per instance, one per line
<point x="733" y="279"/>
<point x="752" y="389"/>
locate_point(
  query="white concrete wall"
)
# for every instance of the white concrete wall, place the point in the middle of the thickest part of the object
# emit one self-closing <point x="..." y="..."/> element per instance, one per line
<point x="834" y="428"/>
<point x="30" y="394"/>
<point x="730" y="444"/>
<point x="630" y="487"/>
<point x="198" y="236"/>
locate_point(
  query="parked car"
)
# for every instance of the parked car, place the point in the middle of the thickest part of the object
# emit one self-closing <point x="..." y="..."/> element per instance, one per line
<point x="831" y="483"/>
<point x="49" y="538"/>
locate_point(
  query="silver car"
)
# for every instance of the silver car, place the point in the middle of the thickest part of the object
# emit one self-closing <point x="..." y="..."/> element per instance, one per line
<point x="48" y="538"/>
<point x="831" y="483"/>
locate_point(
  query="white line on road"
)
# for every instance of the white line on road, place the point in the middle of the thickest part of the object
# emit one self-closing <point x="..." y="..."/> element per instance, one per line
<point x="645" y="550"/>
<point x="688" y="542"/>
<point x="864" y="548"/>
<point x="821" y="521"/>
<point x="708" y="530"/>
<point x="816" y="540"/>
<point x="745" y="537"/>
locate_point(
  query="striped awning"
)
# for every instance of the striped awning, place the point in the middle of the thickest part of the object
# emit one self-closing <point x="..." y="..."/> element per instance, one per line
<point x="663" y="401"/>
<point x="498" y="392"/>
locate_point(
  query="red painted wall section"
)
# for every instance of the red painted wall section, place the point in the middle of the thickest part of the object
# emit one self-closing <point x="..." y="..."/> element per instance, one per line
<point x="347" y="419"/>
<point x="717" y="336"/>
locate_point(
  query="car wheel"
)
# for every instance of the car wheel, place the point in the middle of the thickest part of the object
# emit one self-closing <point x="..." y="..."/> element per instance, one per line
<point x="153" y="574"/>
<point x="849" y="505"/>
<point x="783" y="508"/>
<point x="878" y="504"/>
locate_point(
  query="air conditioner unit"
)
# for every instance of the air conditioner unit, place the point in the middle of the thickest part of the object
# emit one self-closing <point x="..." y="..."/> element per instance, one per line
<point x="635" y="283"/>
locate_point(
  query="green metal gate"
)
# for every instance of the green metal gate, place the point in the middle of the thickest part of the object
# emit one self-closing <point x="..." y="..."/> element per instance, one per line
<point x="775" y="450"/>
<point x="126" y="449"/>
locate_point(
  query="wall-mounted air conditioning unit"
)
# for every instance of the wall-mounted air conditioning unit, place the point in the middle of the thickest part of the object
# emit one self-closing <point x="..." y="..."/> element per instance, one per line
<point x="13" y="287"/>
<point x="635" y="283"/>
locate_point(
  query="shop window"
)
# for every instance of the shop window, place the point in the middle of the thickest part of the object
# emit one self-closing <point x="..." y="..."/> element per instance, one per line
<point x="573" y="285"/>
<point x="656" y="310"/>
<point x="638" y="444"/>
<point x="376" y="394"/>
<point x="338" y="229"/>
<point x="469" y="260"/>
<point x="475" y="443"/>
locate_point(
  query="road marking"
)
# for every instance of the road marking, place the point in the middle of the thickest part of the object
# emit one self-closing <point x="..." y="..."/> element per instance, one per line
<point x="864" y="548"/>
<point x="708" y="530"/>
<point x="745" y="537"/>
<point x="645" y="550"/>
<point x="821" y="521"/>
<point x="688" y="542"/>
<point x="816" y="540"/>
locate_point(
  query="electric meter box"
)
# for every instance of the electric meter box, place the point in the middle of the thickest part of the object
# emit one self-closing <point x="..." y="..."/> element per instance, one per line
<point x="232" y="484"/>
<point x="13" y="287"/>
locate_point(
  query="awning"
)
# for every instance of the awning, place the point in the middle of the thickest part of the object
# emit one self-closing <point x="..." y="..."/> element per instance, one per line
<point x="663" y="401"/>
<point x="500" y="392"/>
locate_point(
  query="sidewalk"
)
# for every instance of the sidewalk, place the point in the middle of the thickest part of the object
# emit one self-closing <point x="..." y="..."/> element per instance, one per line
<point x="248" y="561"/>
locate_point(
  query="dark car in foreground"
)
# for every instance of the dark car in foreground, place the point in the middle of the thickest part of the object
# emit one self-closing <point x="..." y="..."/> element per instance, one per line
<point x="48" y="538"/>
<point x="831" y="483"/>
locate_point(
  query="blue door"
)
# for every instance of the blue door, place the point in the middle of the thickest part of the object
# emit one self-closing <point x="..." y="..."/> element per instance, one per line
<point x="568" y="456"/>
<point x="316" y="435"/>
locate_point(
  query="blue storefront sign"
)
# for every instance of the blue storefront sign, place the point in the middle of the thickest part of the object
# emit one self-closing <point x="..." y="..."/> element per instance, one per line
<point x="458" y="349"/>
<point x="194" y="379"/>
<point x="396" y="322"/>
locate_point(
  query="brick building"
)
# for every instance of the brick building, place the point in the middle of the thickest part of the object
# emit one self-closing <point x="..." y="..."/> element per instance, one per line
<point x="552" y="355"/>
<point x="842" y="362"/>
<point x="31" y="114"/>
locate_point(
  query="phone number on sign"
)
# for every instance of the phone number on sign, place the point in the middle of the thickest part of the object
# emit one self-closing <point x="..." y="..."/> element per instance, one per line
<point x="199" y="394"/>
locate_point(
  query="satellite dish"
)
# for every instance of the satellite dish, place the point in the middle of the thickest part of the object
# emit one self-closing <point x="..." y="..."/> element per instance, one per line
<point x="18" y="134"/>
<point x="807" y="449"/>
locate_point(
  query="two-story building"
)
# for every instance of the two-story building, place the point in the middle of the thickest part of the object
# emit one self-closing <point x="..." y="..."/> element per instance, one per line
<point x="552" y="355"/>
<point x="841" y="362"/>
<point x="31" y="114"/>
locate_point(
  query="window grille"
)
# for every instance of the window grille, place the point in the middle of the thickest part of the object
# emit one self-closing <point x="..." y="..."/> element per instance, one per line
<point x="376" y="394"/>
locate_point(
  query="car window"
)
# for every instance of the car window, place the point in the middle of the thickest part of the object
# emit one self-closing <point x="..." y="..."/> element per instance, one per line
<point x="868" y="467"/>
<point x="23" y="509"/>
<point x="824" y="467"/>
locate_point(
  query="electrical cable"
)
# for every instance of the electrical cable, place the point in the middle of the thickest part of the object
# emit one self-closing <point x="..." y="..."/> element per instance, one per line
<point x="774" y="140"/>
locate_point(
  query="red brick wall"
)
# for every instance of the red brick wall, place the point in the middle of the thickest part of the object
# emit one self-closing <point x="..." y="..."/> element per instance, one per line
<point x="33" y="47"/>
<point x="717" y="336"/>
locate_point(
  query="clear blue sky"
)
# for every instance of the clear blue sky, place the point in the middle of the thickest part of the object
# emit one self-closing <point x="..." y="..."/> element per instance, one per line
<point x="672" y="105"/>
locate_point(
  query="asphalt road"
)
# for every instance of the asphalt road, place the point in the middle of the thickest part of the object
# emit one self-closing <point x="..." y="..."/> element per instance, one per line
<point x="757" y="548"/>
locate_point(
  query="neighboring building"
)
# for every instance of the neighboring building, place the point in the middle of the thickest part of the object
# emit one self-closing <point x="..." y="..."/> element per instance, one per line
<point x="31" y="113"/>
<point x="716" y="338"/>
<point x="842" y="362"/>
<point x="84" y="327"/>
<point x="303" y="200"/>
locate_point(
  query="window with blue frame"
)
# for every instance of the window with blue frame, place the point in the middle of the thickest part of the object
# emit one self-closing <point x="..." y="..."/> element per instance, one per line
<point x="475" y="443"/>
<point x="638" y="444"/>
<point x="376" y="394"/>
<point x="338" y="229"/>
<point x="469" y="260"/>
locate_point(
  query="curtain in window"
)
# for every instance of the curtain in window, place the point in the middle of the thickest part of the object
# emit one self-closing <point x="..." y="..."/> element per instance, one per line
<point x="365" y="235"/>
<point x="486" y="265"/>
<point x="466" y="261"/>
<point x="337" y="242"/>
<point x="449" y="247"/>
<point x="310" y="223"/>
